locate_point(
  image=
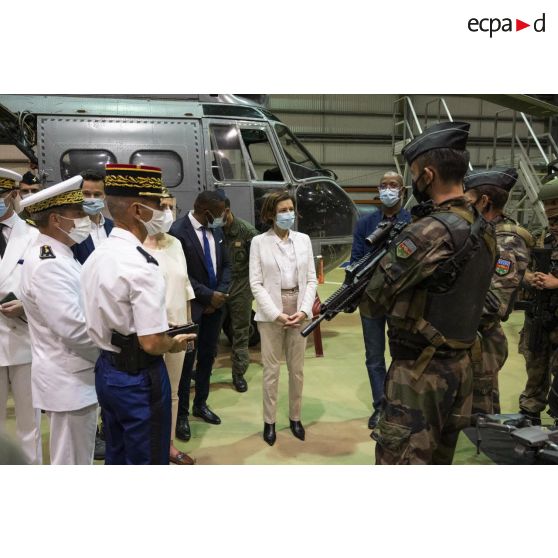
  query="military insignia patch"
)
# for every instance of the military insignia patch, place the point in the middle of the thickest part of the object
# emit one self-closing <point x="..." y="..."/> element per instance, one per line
<point x="46" y="252"/>
<point x="503" y="267"/>
<point x="405" y="248"/>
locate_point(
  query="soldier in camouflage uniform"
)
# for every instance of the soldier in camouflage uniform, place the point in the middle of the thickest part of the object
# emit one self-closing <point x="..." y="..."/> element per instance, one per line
<point x="432" y="284"/>
<point x="488" y="191"/>
<point x="539" y="366"/>
<point x="238" y="236"/>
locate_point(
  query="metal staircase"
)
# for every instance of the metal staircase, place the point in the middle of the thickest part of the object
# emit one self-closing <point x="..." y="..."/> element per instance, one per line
<point x="519" y="147"/>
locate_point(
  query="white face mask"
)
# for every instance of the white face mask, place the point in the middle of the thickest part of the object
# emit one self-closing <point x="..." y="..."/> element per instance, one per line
<point x="160" y="221"/>
<point x="81" y="229"/>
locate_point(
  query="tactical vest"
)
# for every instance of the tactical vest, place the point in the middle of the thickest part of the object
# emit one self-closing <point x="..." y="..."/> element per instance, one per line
<point x="446" y="308"/>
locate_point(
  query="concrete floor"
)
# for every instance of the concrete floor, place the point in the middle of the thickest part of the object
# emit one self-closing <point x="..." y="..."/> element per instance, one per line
<point x="336" y="404"/>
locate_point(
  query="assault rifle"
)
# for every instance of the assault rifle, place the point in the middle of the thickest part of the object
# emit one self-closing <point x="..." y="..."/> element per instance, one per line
<point x="357" y="275"/>
<point x="539" y="308"/>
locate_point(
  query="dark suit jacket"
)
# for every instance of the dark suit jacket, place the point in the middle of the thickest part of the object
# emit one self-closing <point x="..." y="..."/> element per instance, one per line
<point x="197" y="270"/>
<point x="84" y="249"/>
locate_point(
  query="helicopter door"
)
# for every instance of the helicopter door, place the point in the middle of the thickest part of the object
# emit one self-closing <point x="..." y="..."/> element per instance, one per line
<point x="243" y="163"/>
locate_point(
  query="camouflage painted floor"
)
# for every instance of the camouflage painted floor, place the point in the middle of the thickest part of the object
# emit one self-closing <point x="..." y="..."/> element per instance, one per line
<point x="336" y="405"/>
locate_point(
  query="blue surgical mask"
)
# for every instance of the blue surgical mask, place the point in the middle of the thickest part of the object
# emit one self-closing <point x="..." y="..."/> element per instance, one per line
<point x="389" y="197"/>
<point x="93" y="206"/>
<point x="285" y="220"/>
<point x="3" y="207"/>
<point x="217" y="221"/>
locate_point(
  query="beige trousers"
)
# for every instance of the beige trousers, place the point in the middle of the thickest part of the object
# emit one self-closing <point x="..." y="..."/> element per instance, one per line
<point x="274" y="338"/>
<point x="174" y="362"/>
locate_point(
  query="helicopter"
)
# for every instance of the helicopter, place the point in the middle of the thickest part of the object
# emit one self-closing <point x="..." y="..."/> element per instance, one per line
<point x="201" y="142"/>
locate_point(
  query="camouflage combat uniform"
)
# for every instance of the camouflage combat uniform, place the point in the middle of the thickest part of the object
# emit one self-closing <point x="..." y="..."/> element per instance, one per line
<point x="533" y="400"/>
<point x="239" y="303"/>
<point x="514" y="243"/>
<point x="433" y="311"/>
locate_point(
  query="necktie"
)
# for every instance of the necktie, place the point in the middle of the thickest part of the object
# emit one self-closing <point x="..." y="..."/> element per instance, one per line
<point x="208" y="261"/>
<point x="2" y="241"/>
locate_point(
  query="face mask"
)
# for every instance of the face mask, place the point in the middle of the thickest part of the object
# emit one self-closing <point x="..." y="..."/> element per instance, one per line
<point x="4" y="207"/>
<point x="160" y="221"/>
<point x="93" y="206"/>
<point x="81" y="229"/>
<point x="389" y="197"/>
<point x="217" y="221"/>
<point x="421" y="197"/>
<point x="285" y="220"/>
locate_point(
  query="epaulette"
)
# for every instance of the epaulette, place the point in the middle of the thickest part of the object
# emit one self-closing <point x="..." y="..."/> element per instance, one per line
<point x="518" y="230"/>
<point x="31" y="223"/>
<point x="147" y="255"/>
<point x="46" y="252"/>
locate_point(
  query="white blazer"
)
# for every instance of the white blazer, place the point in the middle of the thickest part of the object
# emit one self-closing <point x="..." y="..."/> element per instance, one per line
<point x="15" y="347"/>
<point x="62" y="370"/>
<point x="265" y="275"/>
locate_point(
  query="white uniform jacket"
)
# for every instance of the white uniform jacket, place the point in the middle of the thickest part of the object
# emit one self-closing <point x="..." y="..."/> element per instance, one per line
<point x="15" y="347"/>
<point x="265" y="274"/>
<point x="63" y="354"/>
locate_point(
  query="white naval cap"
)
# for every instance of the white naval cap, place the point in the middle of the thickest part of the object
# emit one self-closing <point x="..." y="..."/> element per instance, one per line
<point x="64" y="193"/>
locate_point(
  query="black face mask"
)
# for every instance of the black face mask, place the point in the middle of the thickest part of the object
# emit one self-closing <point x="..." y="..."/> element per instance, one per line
<point x="421" y="197"/>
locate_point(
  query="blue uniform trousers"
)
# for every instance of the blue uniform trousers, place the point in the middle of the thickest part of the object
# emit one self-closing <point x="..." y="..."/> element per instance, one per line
<point x="136" y="413"/>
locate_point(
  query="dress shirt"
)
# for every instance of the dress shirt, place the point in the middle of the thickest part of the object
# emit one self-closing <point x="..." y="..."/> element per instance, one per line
<point x="122" y="291"/>
<point x="287" y="263"/>
<point x="198" y="228"/>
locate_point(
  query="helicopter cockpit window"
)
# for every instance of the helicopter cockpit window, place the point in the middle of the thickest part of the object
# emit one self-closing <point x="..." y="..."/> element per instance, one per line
<point x="169" y="162"/>
<point x="301" y="162"/>
<point x="261" y="154"/>
<point x="75" y="161"/>
<point x="227" y="161"/>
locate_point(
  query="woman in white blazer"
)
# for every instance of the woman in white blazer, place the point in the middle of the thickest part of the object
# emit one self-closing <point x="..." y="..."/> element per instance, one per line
<point x="283" y="281"/>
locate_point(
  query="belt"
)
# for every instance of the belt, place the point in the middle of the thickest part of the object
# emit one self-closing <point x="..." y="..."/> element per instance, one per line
<point x="123" y="362"/>
<point x="294" y="290"/>
<point x="404" y="352"/>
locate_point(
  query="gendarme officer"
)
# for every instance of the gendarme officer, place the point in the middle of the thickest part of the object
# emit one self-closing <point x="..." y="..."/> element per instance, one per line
<point x="124" y="294"/>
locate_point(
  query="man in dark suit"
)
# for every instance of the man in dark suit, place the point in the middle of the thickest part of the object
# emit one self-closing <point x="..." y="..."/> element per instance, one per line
<point x="93" y="189"/>
<point x="209" y="271"/>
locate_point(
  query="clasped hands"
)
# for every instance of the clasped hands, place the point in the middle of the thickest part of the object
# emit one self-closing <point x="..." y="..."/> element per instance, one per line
<point x="544" y="281"/>
<point x="294" y="320"/>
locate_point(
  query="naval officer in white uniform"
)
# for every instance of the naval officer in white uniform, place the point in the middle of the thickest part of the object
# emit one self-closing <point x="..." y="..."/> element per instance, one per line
<point x="15" y="348"/>
<point x="62" y="374"/>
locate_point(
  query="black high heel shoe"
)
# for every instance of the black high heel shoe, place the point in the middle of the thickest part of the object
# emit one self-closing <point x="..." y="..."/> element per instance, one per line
<point x="297" y="429"/>
<point x="269" y="433"/>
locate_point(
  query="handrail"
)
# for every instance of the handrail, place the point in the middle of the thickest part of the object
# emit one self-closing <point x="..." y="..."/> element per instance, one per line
<point x="535" y="139"/>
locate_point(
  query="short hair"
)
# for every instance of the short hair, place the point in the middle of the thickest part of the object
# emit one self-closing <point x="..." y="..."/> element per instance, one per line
<point x="41" y="218"/>
<point x="451" y="164"/>
<point x="208" y="199"/>
<point x="271" y="201"/>
<point x="393" y="174"/>
<point x="497" y="196"/>
<point x="93" y="175"/>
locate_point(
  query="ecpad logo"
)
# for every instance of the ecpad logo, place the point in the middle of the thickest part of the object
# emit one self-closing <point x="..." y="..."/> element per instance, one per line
<point x="494" y="24"/>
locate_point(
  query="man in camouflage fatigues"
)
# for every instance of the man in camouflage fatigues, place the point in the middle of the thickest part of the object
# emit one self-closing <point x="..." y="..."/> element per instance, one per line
<point x="542" y="365"/>
<point x="238" y="236"/>
<point x="432" y="284"/>
<point x="488" y="191"/>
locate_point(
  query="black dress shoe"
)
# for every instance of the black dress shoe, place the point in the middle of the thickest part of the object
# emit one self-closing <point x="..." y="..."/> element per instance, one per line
<point x="183" y="429"/>
<point x="100" y="446"/>
<point x="373" y="420"/>
<point x="206" y="414"/>
<point x="297" y="429"/>
<point x="239" y="383"/>
<point x="269" y="433"/>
